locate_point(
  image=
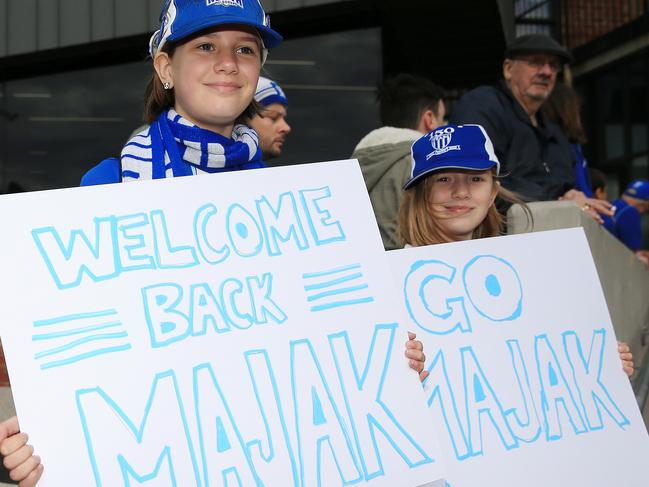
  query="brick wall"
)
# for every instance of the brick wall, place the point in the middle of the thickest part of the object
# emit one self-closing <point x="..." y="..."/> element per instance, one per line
<point x="585" y="20"/>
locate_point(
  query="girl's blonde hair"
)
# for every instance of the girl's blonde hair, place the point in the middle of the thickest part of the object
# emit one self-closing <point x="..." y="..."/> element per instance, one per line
<point x="157" y="99"/>
<point x="417" y="226"/>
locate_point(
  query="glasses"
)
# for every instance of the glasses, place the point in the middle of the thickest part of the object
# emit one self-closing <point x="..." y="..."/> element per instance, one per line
<point x="539" y="62"/>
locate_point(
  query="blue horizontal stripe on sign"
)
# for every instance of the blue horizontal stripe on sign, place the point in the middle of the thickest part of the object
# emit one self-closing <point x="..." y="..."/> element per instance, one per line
<point x="131" y="174"/>
<point x="77" y="316"/>
<point x="338" y="304"/>
<point x="76" y="331"/>
<point x="340" y="280"/>
<point x="84" y="356"/>
<point x="80" y="341"/>
<point x="310" y="275"/>
<point x="334" y="292"/>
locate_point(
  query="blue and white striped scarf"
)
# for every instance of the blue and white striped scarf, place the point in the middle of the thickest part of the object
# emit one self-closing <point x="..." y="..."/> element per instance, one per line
<point x="172" y="147"/>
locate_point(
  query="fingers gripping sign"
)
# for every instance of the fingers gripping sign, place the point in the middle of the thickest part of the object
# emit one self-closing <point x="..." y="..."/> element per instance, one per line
<point x="415" y="355"/>
<point x="24" y="467"/>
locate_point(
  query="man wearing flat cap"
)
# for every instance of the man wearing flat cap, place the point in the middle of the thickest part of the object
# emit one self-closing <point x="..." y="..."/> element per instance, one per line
<point x="536" y="157"/>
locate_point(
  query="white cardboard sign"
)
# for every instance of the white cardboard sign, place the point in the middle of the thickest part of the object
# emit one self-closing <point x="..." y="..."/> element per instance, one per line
<point x="235" y="329"/>
<point x="526" y="386"/>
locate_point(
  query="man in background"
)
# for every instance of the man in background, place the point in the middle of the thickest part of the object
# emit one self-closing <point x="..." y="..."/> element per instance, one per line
<point x="410" y="106"/>
<point x="270" y="124"/>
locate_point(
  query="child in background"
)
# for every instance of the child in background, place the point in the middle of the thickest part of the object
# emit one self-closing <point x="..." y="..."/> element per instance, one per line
<point x="598" y="184"/>
<point x="625" y="224"/>
<point x="207" y="58"/>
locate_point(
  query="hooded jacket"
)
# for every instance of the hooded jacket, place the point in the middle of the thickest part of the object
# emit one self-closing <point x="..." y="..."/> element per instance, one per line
<point x="384" y="157"/>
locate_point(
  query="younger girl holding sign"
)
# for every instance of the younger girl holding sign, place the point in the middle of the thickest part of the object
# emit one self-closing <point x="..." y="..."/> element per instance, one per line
<point x="451" y="195"/>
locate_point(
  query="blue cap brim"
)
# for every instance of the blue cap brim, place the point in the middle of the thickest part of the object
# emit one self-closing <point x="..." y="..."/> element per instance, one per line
<point x="475" y="166"/>
<point x="270" y="38"/>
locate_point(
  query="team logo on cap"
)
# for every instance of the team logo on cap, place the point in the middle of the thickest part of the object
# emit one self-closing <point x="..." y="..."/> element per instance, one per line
<point x="440" y="140"/>
<point x="225" y="3"/>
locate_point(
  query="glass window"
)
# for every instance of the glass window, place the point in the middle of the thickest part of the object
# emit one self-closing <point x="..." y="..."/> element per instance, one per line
<point x="59" y="126"/>
<point x="330" y="81"/>
<point x="612" y="95"/>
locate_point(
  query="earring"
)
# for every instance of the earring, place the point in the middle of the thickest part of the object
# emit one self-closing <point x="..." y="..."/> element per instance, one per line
<point x="166" y="85"/>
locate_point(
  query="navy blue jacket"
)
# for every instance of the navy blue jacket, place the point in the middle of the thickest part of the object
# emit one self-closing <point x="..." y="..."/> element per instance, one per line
<point x="536" y="162"/>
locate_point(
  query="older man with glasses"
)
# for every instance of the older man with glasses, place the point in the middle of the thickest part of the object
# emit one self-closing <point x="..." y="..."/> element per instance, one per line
<point x="536" y="158"/>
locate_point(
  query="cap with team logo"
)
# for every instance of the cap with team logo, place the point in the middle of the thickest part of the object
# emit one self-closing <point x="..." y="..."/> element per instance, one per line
<point x="452" y="147"/>
<point x="182" y="18"/>
<point x="638" y="189"/>
<point x="269" y="92"/>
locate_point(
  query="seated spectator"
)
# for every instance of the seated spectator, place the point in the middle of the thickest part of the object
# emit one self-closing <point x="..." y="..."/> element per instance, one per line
<point x="270" y="123"/>
<point x="410" y="106"/>
<point x="537" y="160"/>
<point x="625" y="224"/>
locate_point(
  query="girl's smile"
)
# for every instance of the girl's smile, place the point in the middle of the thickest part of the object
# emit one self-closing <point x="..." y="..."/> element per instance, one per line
<point x="460" y="199"/>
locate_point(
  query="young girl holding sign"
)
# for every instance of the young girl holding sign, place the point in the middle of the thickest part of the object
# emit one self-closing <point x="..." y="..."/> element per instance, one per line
<point x="207" y="58"/>
<point x="452" y="193"/>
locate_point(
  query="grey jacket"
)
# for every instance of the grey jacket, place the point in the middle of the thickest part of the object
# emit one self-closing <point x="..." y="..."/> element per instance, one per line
<point x="384" y="156"/>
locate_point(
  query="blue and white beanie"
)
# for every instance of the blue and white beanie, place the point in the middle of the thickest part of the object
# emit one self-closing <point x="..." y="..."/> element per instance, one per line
<point x="452" y="147"/>
<point x="182" y="18"/>
<point x="269" y="92"/>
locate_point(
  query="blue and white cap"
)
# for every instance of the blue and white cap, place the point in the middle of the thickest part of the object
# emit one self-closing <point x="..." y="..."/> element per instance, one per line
<point x="182" y="18"/>
<point x="269" y="92"/>
<point x="452" y="147"/>
<point x="638" y="189"/>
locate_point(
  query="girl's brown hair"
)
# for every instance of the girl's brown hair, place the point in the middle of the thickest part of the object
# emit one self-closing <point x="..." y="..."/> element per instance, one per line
<point x="157" y="99"/>
<point x="418" y="227"/>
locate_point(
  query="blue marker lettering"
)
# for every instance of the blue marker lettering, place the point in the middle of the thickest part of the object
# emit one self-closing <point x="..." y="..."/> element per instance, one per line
<point x="527" y="428"/>
<point x="263" y="306"/>
<point x="481" y="400"/>
<point x="281" y="224"/>
<point x="440" y="392"/>
<point x="202" y="233"/>
<point x="120" y="448"/>
<point x="225" y="458"/>
<point x="244" y="232"/>
<point x="320" y="419"/>
<point x="494" y="288"/>
<point x="205" y="310"/>
<point x="168" y="256"/>
<point x="587" y="376"/>
<point x="273" y="455"/>
<point x="433" y="300"/>
<point x="69" y="261"/>
<point x="166" y="323"/>
<point x="324" y="228"/>
<point x="131" y="240"/>
<point x="556" y="395"/>
<point x="366" y="390"/>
